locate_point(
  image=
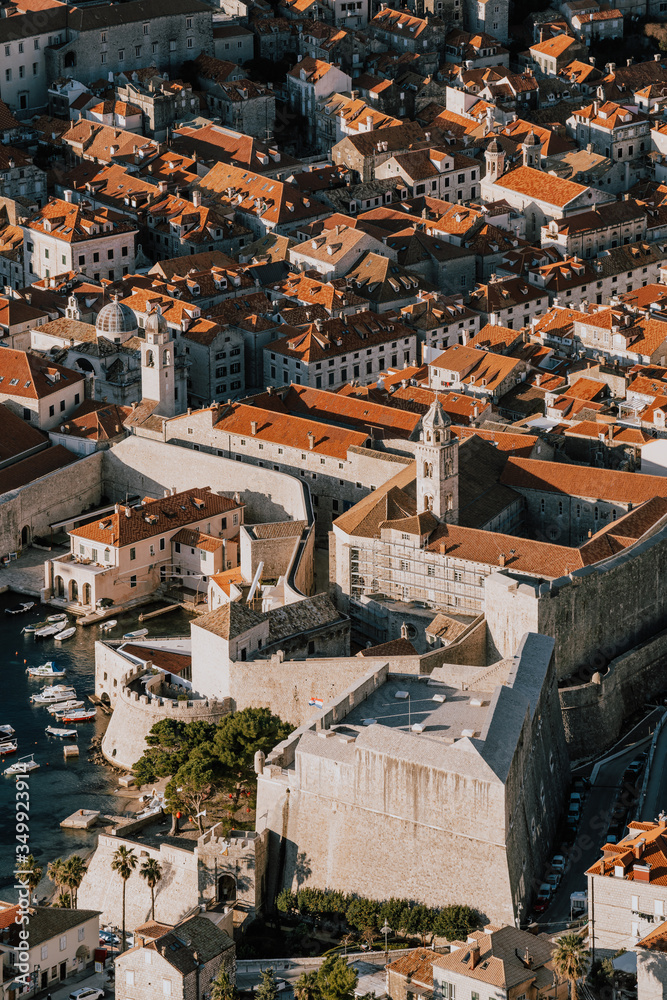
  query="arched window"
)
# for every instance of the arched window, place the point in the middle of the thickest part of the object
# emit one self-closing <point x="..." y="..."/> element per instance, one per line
<point x="150" y="362"/>
<point x="107" y="555"/>
<point x="166" y="358"/>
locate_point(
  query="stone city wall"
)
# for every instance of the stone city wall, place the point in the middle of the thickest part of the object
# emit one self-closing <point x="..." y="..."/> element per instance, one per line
<point x="48" y="499"/>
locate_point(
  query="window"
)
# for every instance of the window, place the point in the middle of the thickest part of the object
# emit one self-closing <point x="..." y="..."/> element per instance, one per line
<point x="166" y="987"/>
<point x="449" y="991"/>
<point x="21" y="71"/>
<point x="52" y="411"/>
<point x="162" y="545"/>
<point x="430" y="570"/>
<point x="177" y="546"/>
<point x="37" y="43"/>
<point x="45" y="951"/>
<point x="190" y="42"/>
<point x="133" y="583"/>
<point x="35" y="69"/>
<point x="62" y="944"/>
<point x="62" y="405"/>
<point x="104" y="37"/>
<point x="129" y="977"/>
<point x="103" y="57"/>
<point x="96" y="257"/>
<point x="109" y="254"/>
<point x="405" y="565"/>
<point x="188" y="22"/>
<point x="7" y="50"/>
<point x="8" y="75"/>
<point x="172" y="44"/>
<point x="82" y="933"/>
<point x="145" y="29"/>
<point x="76" y="398"/>
<point x="137" y="51"/>
<point x="458" y="576"/>
<point x="154" y="47"/>
<point x="133" y="554"/>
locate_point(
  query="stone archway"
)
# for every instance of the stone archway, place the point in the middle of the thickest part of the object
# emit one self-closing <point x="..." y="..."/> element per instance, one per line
<point x="59" y="586"/>
<point x="25" y="535"/>
<point x="226" y="889"/>
<point x="86" y="594"/>
<point x="73" y="590"/>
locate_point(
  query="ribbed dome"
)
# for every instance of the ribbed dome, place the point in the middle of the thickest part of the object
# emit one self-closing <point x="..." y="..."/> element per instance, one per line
<point x="531" y="139"/>
<point x="115" y="320"/>
<point x="494" y="147"/>
<point x="155" y="321"/>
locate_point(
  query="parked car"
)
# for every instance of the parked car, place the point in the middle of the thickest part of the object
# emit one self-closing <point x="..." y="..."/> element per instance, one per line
<point x="558" y="863"/>
<point x="541" y="904"/>
<point x="87" y="993"/>
<point x="553" y="879"/>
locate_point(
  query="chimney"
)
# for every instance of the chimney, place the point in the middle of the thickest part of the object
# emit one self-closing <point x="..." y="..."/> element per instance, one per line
<point x="501" y="559"/>
<point x="474" y="957"/>
<point x="253" y="427"/>
<point x="196" y="198"/>
<point x="528" y="959"/>
<point x="311" y="440"/>
<point x="68" y="195"/>
<point x="128" y="512"/>
<point x="116" y="509"/>
<point x="638" y="848"/>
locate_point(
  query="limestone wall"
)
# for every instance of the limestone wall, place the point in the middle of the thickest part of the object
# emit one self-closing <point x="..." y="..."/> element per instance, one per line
<point x="593" y="713"/>
<point x="140" y="465"/>
<point x="50" y="498"/>
<point x="134" y="715"/>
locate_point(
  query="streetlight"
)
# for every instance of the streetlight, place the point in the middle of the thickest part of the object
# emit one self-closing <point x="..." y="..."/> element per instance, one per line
<point x="386" y="930"/>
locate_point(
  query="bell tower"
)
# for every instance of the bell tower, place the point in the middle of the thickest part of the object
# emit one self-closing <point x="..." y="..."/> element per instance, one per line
<point x="494" y="157"/>
<point x="437" y="456"/>
<point x="158" y="381"/>
<point x="532" y="151"/>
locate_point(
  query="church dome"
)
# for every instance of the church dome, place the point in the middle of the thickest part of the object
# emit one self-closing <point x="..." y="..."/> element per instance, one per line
<point x="115" y="320"/>
<point x="531" y="139"/>
<point x="494" y="147"/>
<point x="155" y="321"/>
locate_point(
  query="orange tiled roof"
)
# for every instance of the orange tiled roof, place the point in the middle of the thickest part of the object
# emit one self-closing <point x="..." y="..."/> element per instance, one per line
<point x="582" y="481"/>
<point x="543" y="187"/>
<point x="30" y="377"/>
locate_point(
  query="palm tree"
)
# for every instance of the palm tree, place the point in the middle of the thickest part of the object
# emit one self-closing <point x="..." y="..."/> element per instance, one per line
<point x="570" y="960"/>
<point x="73" y="871"/>
<point x="151" y="870"/>
<point x="56" y="872"/>
<point x="124" y="862"/>
<point x="29" y="872"/>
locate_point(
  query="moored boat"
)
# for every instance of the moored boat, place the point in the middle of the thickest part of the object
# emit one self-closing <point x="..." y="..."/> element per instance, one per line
<point x="34" y="626"/>
<point x="63" y="707"/>
<point x="44" y="633"/>
<point x="10" y="746"/>
<point x="20" y="609"/>
<point x="63" y="734"/>
<point x="49" y="695"/>
<point x="82" y="715"/>
<point x="66" y="633"/>
<point x="23" y="765"/>
<point x="6" y="732"/>
<point x="136" y="634"/>
<point x="47" y="669"/>
<point x="107" y="626"/>
<point x="60" y="617"/>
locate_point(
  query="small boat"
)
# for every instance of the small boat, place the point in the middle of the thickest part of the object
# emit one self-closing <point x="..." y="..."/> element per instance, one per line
<point x="63" y="734"/>
<point x="20" y="609"/>
<point x="107" y="626"/>
<point x="136" y="635"/>
<point x="34" y="626"/>
<point x="6" y="732"/>
<point x="10" y="746"/>
<point x="82" y="715"/>
<point x="66" y="633"/>
<point x="50" y="695"/>
<point x="61" y="617"/>
<point x="64" y="707"/>
<point x="47" y="669"/>
<point x="23" y="765"/>
<point x="44" y="633"/>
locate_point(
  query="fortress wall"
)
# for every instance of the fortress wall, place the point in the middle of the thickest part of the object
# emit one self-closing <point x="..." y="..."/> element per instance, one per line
<point x="469" y="648"/>
<point x="60" y="494"/>
<point x="175" y="894"/>
<point x="140" y="465"/>
<point x="135" y="714"/>
<point x="593" y="713"/>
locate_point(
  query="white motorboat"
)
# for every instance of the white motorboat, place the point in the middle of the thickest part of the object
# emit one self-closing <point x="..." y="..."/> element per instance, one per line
<point x="63" y="707"/>
<point x="56" y="619"/>
<point x="53" y="694"/>
<point x="8" y="746"/>
<point x="107" y="626"/>
<point x="47" y="670"/>
<point x="82" y="715"/>
<point x="44" y="633"/>
<point x="23" y="765"/>
<point x="137" y="634"/>
<point x="34" y="626"/>
<point x="6" y="732"/>
<point x="67" y="633"/>
<point x="63" y="734"/>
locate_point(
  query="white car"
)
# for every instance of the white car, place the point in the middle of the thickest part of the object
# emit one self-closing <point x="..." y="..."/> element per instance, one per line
<point x="558" y="863"/>
<point x="87" y="993"/>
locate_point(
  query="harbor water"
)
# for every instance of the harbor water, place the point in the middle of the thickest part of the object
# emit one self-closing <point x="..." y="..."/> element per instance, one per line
<point x="60" y="786"/>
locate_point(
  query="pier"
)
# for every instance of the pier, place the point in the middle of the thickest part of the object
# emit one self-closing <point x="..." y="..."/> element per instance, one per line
<point x="160" y="611"/>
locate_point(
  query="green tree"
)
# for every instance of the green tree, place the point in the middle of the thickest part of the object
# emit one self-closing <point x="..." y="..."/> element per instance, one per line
<point x="395" y="912"/>
<point x="336" y="980"/>
<point x="240" y="735"/>
<point x="455" y="922"/>
<point x="362" y="914"/>
<point x="124" y="862"/>
<point x="570" y="960"/>
<point x="419" y="920"/>
<point x="222" y="988"/>
<point x="286" y="901"/>
<point x="29" y="872"/>
<point x="268" y="988"/>
<point x="192" y="785"/>
<point x="306" y="986"/>
<point x="151" y="871"/>
<point x="56" y="873"/>
<point x="72" y="876"/>
<point x="170" y="743"/>
<point x="63" y="901"/>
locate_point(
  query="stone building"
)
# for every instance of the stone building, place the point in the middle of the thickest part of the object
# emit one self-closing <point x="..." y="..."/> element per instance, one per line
<point x="626" y="884"/>
<point x="388" y="755"/>
<point x="64" y="236"/>
<point x="99" y="41"/>
<point x="40" y="392"/>
<point x="162" y="102"/>
<point x="181" y="963"/>
<point x="61" y="943"/>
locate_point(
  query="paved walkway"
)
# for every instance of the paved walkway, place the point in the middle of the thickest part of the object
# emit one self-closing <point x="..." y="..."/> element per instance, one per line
<point x="656" y="788"/>
<point x="26" y="574"/>
<point x="62" y="990"/>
